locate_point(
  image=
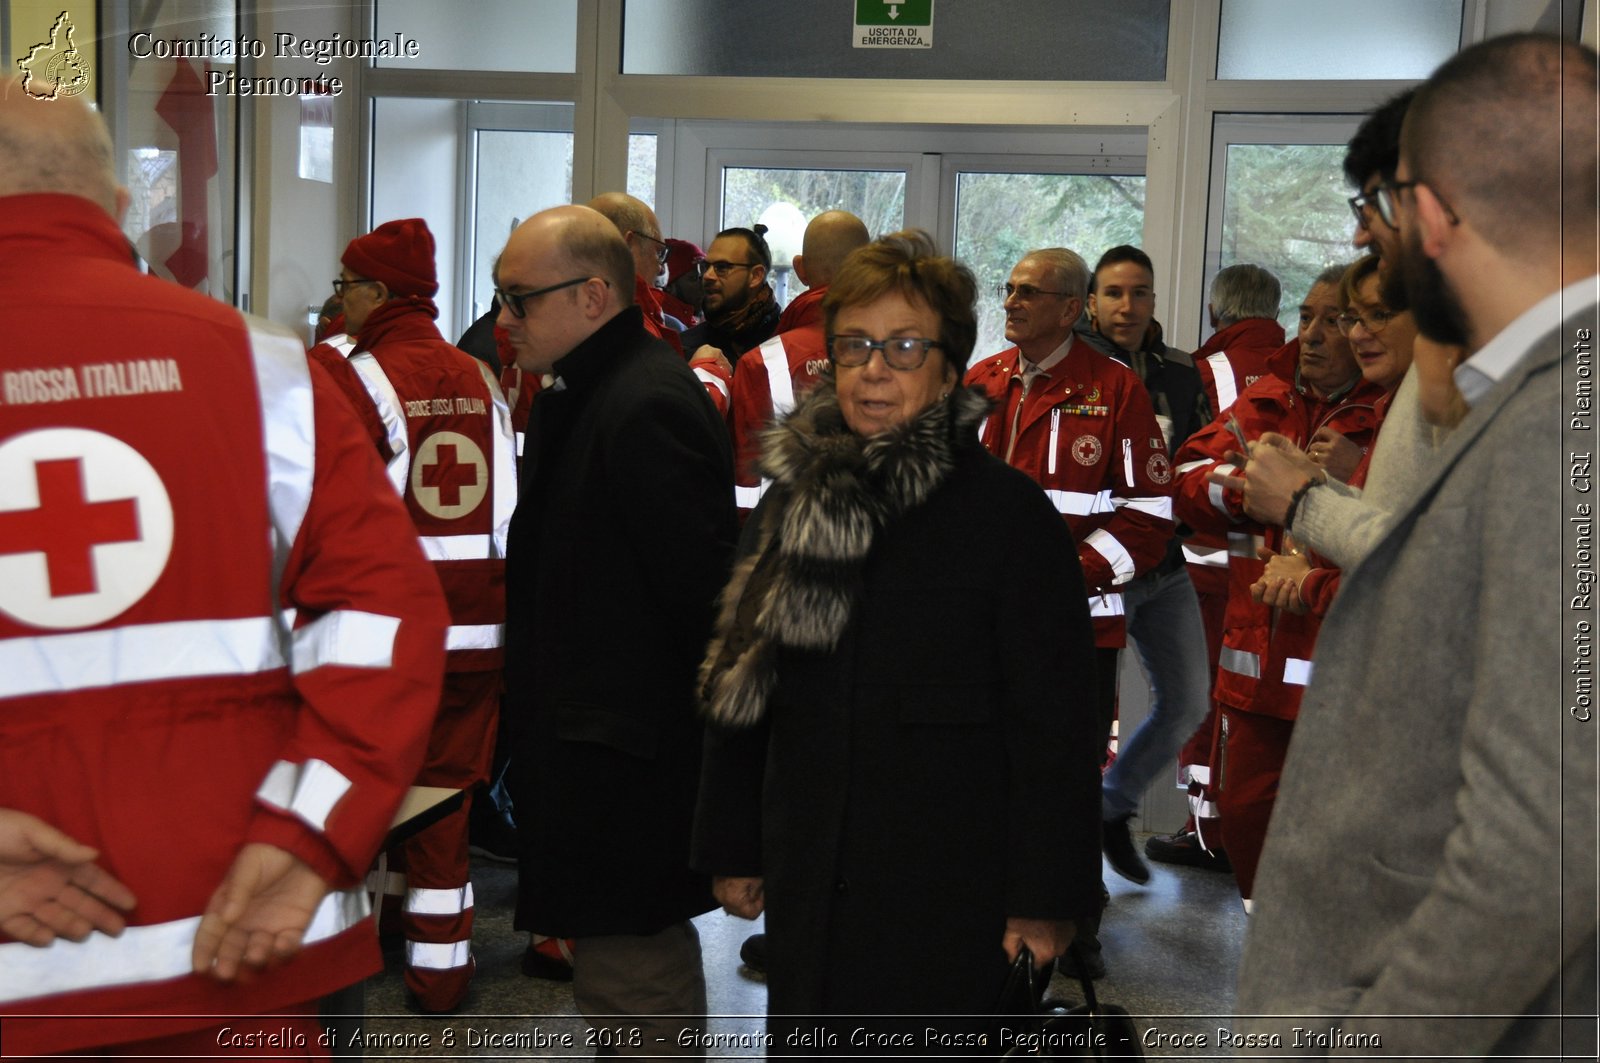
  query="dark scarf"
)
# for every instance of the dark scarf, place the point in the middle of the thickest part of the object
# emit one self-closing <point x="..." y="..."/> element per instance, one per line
<point x="747" y="327"/>
<point x="832" y="491"/>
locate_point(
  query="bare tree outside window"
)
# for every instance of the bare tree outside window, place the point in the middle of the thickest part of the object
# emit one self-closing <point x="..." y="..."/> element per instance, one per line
<point x="1002" y="216"/>
<point x="877" y="197"/>
<point x="1284" y="208"/>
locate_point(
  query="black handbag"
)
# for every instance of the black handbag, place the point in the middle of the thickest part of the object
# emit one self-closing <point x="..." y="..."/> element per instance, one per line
<point x="1029" y="1027"/>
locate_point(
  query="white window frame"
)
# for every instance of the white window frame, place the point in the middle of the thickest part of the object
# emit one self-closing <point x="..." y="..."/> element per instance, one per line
<point x="1233" y="129"/>
<point x="500" y="117"/>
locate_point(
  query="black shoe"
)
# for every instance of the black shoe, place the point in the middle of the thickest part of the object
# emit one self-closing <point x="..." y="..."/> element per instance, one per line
<point x="492" y="835"/>
<point x="1117" y="842"/>
<point x="1184" y="848"/>
<point x="754" y="953"/>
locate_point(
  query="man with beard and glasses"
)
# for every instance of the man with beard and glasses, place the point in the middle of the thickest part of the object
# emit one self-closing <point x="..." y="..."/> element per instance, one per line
<point x="1340" y="520"/>
<point x="1428" y="885"/>
<point x="741" y="311"/>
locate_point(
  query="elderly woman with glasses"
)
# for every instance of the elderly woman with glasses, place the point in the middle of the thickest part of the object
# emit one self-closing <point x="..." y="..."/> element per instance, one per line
<point x="901" y="765"/>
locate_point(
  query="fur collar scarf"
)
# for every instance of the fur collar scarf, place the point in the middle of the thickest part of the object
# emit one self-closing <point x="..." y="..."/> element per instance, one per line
<point x="832" y="491"/>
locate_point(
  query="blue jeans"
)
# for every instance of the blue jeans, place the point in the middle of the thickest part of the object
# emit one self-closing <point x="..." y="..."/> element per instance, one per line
<point x="1164" y="626"/>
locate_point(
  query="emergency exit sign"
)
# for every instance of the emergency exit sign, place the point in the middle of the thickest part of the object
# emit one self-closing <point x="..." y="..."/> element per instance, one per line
<point x="894" y="24"/>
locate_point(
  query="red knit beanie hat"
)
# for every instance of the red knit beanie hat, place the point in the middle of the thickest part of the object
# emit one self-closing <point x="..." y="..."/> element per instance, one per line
<point x="681" y="254"/>
<point x="398" y="253"/>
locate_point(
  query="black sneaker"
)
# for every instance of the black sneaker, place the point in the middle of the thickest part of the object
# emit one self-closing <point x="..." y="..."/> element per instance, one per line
<point x="1184" y="848"/>
<point x="1117" y="841"/>
<point x="754" y="953"/>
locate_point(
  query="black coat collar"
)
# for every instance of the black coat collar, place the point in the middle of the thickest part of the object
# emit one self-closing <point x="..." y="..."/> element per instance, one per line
<point x="594" y="358"/>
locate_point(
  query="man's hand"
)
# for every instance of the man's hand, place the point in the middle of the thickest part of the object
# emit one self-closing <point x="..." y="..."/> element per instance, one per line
<point x="744" y="897"/>
<point x="1279" y="585"/>
<point x="1275" y="471"/>
<point x="708" y="354"/>
<point x="1335" y="453"/>
<point x="1045" y="938"/>
<point x="258" y="916"/>
<point x="51" y="887"/>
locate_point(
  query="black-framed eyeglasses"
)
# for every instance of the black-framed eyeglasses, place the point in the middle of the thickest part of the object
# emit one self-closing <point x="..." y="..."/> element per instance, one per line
<point x="514" y="302"/>
<point x="1360" y="204"/>
<point x="720" y="268"/>
<point x="340" y="285"/>
<point x="662" y="250"/>
<point x="1389" y="201"/>
<point x="1023" y="291"/>
<point x="899" y="352"/>
<point x="1374" y="321"/>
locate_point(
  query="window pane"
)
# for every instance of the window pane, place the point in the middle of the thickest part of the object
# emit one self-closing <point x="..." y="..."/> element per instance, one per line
<point x="1380" y="39"/>
<point x="642" y="166"/>
<point x="1284" y="208"/>
<point x="519" y="174"/>
<point x="784" y="200"/>
<point x="532" y="36"/>
<point x="1032" y="41"/>
<point x="180" y="141"/>
<point x="1002" y="216"/>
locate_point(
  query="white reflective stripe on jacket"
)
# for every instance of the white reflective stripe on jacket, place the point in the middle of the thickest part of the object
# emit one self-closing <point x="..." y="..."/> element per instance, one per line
<point x="391" y="412"/>
<point x="1227" y="382"/>
<point x="155" y="953"/>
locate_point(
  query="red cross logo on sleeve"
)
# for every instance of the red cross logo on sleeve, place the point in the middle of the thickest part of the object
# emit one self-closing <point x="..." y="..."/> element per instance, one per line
<point x="449" y="476"/>
<point x="85" y="527"/>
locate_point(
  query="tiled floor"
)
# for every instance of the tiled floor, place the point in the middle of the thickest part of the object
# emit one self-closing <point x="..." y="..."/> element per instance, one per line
<point x="1172" y="949"/>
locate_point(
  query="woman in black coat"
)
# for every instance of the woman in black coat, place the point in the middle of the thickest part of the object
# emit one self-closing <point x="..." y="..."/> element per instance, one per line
<point x="902" y="765"/>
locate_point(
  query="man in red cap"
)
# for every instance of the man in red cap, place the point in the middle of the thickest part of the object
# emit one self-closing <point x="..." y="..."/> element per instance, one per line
<point x="681" y="295"/>
<point x="446" y="437"/>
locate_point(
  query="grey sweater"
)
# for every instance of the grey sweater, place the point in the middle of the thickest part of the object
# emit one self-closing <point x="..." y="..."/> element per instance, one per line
<point x="1343" y="523"/>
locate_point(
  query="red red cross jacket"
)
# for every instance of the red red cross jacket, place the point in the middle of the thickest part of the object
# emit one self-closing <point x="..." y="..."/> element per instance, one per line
<point x="448" y="443"/>
<point x="520" y="387"/>
<point x="1089" y="436"/>
<point x="1265" y="661"/>
<point x="215" y="627"/>
<point x="715" y="380"/>
<point x="766" y="383"/>
<point x="1321" y="584"/>
<point x="1236" y="357"/>
<point x="1230" y="361"/>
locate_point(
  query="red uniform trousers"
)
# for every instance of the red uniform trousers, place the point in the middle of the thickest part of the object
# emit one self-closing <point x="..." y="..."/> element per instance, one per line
<point x="1253" y="749"/>
<point x="436" y="916"/>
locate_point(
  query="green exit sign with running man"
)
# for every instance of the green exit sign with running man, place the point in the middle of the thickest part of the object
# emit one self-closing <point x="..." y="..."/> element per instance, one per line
<point x="894" y="24"/>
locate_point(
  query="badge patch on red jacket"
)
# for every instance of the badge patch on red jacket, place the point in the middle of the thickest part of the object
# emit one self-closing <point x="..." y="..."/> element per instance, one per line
<point x="1086" y="450"/>
<point x="1158" y="468"/>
